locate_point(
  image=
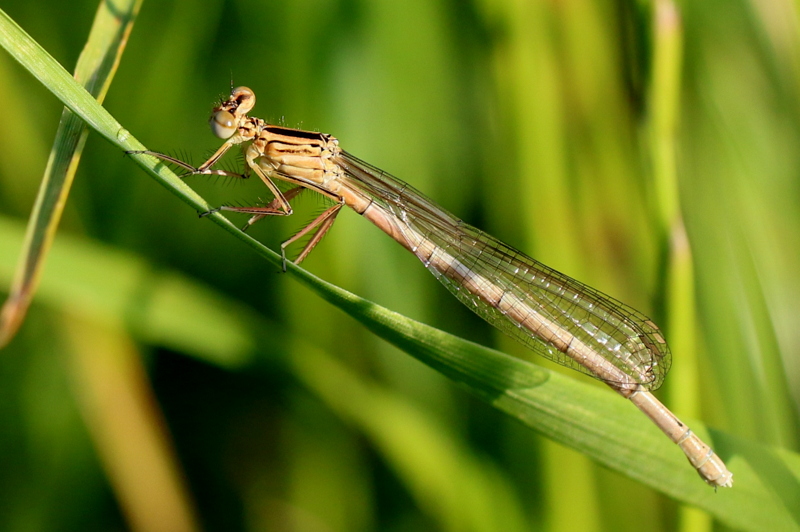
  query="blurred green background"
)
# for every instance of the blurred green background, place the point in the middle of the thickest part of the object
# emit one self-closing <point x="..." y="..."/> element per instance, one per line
<point x="574" y="131"/>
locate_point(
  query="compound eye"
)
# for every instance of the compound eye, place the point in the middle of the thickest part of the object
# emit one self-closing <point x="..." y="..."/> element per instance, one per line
<point x="223" y="124"/>
<point x="245" y="99"/>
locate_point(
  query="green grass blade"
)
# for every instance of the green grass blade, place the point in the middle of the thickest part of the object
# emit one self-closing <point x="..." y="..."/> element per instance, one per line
<point x="95" y="70"/>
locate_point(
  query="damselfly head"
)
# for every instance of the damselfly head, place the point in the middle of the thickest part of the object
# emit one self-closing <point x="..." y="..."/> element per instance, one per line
<point x="228" y="115"/>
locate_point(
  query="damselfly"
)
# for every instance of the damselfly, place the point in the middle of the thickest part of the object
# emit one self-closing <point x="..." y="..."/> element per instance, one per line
<point x="554" y="315"/>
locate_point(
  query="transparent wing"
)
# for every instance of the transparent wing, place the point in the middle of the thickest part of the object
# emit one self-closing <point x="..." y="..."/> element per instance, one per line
<point x="620" y="334"/>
